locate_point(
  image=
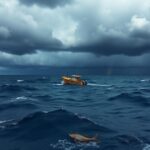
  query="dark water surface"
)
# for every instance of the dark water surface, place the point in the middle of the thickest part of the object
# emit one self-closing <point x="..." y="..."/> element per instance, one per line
<point x="37" y="113"/>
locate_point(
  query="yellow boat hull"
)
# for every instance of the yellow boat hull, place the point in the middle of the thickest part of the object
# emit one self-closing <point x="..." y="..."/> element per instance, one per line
<point x="73" y="81"/>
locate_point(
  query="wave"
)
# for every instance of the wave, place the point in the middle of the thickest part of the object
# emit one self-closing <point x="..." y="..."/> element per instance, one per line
<point x="67" y="145"/>
<point x="21" y="98"/>
<point x="36" y="80"/>
<point x="20" y="81"/>
<point x="13" y="105"/>
<point x="123" y="142"/>
<point x="132" y="98"/>
<point x="145" y="80"/>
<point x="40" y="79"/>
<point x="145" y="90"/>
<point x="58" y="84"/>
<point x="146" y="147"/>
<point x="88" y="84"/>
<point x="55" y="125"/>
<point x="103" y="85"/>
<point x="42" y="97"/>
<point x="16" y="88"/>
<point x="5" y="121"/>
<point x="66" y="118"/>
<point x="51" y="130"/>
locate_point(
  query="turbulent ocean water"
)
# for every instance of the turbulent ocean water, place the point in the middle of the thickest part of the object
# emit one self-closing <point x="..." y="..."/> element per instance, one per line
<point x="38" y="113"/>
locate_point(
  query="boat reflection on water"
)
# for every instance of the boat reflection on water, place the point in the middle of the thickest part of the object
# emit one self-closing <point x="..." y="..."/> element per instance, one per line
<point x="73" y="80"/>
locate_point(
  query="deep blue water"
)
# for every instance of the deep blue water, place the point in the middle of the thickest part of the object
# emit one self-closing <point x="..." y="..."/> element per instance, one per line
<point x="38" y="113"/>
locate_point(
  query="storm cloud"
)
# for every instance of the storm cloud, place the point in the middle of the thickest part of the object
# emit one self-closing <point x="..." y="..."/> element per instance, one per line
<point x="74" y="28"/>
<point x="47" y="3"/>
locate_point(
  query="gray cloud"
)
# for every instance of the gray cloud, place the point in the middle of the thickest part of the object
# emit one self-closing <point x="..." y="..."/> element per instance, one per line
<point x="79" y="32"/>
<point x="113" y="46"/>
<point x="26" y="43"/>
<point x="47" y="3"/>
<point x="67" y="59"/>
<point x="21" y="33"/>
<point x="4" y="33"/>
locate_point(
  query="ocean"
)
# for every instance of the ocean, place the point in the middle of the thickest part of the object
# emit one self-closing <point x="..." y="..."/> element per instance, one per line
<point x="39" y="112"/>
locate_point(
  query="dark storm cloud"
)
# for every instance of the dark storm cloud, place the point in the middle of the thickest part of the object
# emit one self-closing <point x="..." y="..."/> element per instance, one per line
<point x="145" y="35"/>
<point x="22" y="39"/>
<point x="47" y="3"/>
<point x="133" y="45"/>
<point x="83" y="26"/>
<point x="131" y="42"/>
<point x="24" y="44"/>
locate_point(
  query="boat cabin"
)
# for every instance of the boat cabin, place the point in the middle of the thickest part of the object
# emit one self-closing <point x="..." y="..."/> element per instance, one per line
<point x="76" y="77"/>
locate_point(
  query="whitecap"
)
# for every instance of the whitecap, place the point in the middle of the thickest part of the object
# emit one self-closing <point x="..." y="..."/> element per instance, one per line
<point x="67" y="145"/>
<point x="110" y="88"/>
<point x="21" y="98"/>
<point x="103" y="85"/>
<point x="146" y="147"/>
<point x="58" y="84"/>
<point x="20" y="80"/>
<point x="24" y="98"/>
<point x="4" y="121"/>
<point x="145" y="80"/>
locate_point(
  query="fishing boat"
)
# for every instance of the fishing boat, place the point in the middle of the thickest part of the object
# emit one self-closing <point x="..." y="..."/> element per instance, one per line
<point x="73" y="80"/>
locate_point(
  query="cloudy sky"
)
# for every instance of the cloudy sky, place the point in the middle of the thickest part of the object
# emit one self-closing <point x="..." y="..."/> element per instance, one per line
<point x="74" y="33"/>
